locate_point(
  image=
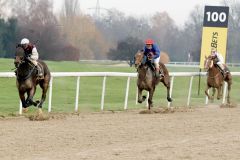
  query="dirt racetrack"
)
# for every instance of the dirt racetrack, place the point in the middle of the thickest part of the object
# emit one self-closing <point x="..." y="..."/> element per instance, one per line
<point x="206" y="133"/>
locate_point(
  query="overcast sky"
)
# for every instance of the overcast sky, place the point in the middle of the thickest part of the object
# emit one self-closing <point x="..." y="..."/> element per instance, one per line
<point x="179" y="10"/>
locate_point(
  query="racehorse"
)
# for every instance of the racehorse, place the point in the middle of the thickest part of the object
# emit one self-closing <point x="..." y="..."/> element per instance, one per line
<point x="215" y="79"/>
<point x="147" y="80"/>
<point x="27" y="80"/>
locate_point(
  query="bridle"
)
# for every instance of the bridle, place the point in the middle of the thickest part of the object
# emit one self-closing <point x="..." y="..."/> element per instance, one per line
<point x="209" y="66"/>
<point x="208" y="63"/>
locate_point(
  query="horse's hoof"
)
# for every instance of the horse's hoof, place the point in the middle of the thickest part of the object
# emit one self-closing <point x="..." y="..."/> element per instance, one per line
<point x="36" y="103"/>
<point x="25" y="110"/>
<point x="28" y="103"/>
<point x="169" y="99"/>
<point x="139" y="101"/>
<point x="144" y="97"/>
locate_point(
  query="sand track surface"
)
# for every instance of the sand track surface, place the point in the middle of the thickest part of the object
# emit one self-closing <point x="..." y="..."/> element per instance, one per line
<point x="210" y="133"/>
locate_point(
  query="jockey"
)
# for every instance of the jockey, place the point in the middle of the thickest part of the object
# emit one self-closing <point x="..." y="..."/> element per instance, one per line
<point x="152" y="51"/>
<point x="220" y="61"/>
<point x="31" y="54"/>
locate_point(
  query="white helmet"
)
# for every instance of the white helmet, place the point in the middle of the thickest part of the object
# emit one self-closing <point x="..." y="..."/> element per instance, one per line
<point x="24" y="41"/>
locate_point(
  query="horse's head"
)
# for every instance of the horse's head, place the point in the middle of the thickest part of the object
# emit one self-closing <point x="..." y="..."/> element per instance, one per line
<point x="19" y="56"/>
<point x="138" y="58"/>
<point x="208" y="63"/>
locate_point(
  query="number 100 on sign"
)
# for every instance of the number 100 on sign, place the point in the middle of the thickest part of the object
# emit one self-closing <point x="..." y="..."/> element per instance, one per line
<point x="216" y="16"/>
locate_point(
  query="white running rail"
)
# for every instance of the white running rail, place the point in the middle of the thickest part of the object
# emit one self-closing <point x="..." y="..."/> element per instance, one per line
<point x="112" y="74"/>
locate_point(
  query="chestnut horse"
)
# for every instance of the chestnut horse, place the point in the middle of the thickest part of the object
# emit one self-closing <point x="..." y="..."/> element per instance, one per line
<point x="215" y="79"/>
<point x="147" y="79"/>
<point x="27" y="80"/>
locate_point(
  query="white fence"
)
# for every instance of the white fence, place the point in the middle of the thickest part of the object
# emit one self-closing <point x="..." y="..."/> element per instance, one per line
<point x="185" y="64"/>
<point x="114" y="74"/>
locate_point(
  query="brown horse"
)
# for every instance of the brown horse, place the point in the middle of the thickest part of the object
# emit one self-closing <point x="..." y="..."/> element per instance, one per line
<point x="27" y="80"/>
<point x="147" y="79"/>
<point x="215" y="79"/>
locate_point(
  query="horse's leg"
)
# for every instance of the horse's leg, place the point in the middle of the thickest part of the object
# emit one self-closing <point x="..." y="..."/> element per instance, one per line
<point x="150" y="103"/>
<point x="229" y="89"/>
<point x="31" y="93"/>
<point x="206" y="92"/>
<point x="167" y="85"/>
<point x="219" y="92"/>
<point x="213" y="92"/>
<point x="44" y="86"/>
<point x="24" y="105"/>
<point x="140" y="97"/>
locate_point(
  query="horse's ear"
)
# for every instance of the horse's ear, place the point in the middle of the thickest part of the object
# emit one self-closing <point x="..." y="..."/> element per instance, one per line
<point x="18" y="45"/>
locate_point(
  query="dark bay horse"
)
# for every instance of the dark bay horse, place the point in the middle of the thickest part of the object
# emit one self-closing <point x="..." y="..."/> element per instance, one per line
<point x="147" y="80"/>
<point x="27" y="80"/>
<point x="215" y="79"/>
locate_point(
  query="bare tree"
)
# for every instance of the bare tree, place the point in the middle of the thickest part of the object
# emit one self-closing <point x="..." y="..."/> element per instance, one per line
<point x="4" y="8"/>
<point x="70" y="8"/>
<point x="115" y="26"/>
<point x="81" y="32"/>
<point x="233" y="47"/>
<point x="37" y="22"/>
<point x="165" y="33"/>
<point x="190" y="36"/>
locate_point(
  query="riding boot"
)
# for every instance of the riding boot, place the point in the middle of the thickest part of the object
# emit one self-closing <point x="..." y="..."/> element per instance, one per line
<point x="39" y="72"/>
<point x="157" y="73"/>
<point x="226" y="70"/>
<point x="161" y="73"/>
<point x="223" y="70"/>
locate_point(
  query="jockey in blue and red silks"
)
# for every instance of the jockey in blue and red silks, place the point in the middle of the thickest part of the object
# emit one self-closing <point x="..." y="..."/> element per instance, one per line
<point x="152" y="52"/>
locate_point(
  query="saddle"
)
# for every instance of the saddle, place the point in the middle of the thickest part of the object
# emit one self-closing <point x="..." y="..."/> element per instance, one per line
<point x="153" y="68"/>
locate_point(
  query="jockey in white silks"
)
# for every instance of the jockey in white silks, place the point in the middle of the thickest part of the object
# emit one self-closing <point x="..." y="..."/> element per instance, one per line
<point x="32" y="55"/>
